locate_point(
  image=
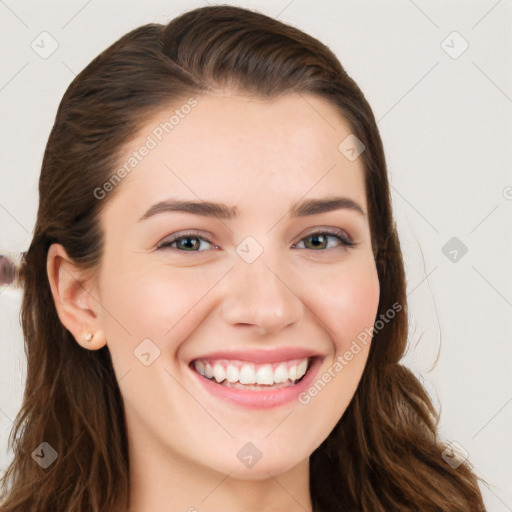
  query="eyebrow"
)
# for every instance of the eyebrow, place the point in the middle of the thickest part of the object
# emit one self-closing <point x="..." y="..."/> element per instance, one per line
<point x="223" y="211"/>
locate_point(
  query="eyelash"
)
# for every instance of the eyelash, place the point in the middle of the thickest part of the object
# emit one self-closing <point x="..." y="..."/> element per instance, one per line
<point x="333" y="232"/>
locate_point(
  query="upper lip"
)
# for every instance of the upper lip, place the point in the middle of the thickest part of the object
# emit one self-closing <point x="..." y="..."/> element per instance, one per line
<point x="274" y="355"/>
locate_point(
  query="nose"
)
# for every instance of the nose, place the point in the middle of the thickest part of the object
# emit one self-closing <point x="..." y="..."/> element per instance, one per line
<point x="261" y="297"/>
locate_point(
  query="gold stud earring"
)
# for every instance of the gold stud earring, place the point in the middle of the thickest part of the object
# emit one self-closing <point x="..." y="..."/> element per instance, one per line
<point x="88" y="337"/>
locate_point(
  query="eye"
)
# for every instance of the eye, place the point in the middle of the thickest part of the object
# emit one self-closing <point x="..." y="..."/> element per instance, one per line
<point x="185" y="242"/>
<point x="319" y="239"/>
<point x="316" y="241"/>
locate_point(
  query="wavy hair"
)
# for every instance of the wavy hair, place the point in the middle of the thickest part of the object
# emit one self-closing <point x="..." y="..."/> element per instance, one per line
<point x="384" y="453"/>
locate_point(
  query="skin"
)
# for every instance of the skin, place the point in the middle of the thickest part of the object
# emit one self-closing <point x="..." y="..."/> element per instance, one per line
<point x="260" y="156"/>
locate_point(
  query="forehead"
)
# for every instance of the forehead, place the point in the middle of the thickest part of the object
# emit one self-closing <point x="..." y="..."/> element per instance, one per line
<point x="244" y="149"/>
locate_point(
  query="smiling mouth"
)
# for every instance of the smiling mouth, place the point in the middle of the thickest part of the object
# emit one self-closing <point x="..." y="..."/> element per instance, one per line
<point x="253" y="376"/>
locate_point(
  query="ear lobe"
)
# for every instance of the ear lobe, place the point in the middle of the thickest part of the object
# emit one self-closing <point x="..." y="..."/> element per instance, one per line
<point x="72" y="294"/>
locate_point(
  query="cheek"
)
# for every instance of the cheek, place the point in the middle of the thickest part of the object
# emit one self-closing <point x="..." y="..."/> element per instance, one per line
<point x="148" y="303"/>
<point x="347" y="301"/>
<point x="346" y="305"/>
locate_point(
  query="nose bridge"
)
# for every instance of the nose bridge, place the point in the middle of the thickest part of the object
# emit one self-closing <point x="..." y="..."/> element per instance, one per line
<point x="259" y="294"/>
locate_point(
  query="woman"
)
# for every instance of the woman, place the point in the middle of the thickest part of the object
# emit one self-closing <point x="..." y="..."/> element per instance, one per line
<point x="214" y="299"/>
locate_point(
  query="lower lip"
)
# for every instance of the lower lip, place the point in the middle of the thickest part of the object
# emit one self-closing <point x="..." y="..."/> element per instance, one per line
<point x="261" y="399"/>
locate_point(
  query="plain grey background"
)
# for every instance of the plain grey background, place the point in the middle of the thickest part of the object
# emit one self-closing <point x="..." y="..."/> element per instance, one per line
<point x="439" y="80"/>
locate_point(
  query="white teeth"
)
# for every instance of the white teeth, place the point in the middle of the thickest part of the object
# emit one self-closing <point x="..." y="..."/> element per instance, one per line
<point x="232" y="373"/>
<point x="301" y="369"/>
<point x="246" y="373"/>
<point x="281" y="374"/>
<point x="219" y="373"/>
<point x="265" y="375"/>
<point x="200" y="367"/>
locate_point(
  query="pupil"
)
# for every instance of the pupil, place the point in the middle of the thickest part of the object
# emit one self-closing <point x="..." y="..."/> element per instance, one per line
<point x="185" y="241"/>
<point x="316" y="239"/>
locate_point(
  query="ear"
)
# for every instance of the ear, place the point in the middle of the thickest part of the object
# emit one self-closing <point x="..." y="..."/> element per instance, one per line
<point x="76" y="299"/>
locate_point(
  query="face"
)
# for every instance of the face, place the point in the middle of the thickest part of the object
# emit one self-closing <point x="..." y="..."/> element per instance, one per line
<point x="268" y="288"/>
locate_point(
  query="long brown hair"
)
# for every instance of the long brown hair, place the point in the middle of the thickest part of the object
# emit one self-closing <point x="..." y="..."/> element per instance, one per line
<point x="384" y="453"/>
